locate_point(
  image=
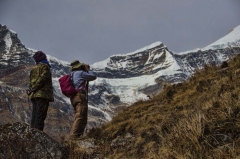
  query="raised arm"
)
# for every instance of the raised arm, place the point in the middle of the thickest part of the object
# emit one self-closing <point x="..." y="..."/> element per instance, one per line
<point x="88" y="76"/>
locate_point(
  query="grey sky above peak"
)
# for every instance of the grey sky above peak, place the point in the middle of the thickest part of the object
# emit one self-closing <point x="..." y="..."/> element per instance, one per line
<point x="91" y="30"/>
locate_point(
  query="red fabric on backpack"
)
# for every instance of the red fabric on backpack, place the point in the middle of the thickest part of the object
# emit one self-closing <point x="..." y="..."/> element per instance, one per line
<point x="66" y="86"/>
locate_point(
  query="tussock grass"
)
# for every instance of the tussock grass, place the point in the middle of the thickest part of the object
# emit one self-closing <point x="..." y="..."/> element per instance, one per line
<point x="198" y="118"/>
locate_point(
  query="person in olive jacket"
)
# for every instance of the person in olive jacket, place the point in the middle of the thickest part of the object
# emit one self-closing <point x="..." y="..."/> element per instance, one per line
<point x="40" y="90"/>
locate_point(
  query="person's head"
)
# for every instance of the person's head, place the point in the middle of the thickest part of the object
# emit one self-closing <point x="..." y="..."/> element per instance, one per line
<point x="39" y="56"/>
<point x="76" y="65"/>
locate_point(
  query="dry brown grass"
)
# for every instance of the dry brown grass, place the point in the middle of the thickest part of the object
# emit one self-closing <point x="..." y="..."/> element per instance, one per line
<point x="196" y="119"/>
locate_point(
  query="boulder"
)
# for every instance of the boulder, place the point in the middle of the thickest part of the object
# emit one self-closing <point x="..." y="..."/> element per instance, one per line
<point x="19" y="140"/>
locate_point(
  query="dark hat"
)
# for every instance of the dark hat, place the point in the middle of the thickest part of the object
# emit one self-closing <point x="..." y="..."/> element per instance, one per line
<point x="75" y="65"/>
<point x="39" y="56"/>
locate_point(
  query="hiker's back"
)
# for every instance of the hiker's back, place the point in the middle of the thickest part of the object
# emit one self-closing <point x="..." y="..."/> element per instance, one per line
<point x="41" y="72"/>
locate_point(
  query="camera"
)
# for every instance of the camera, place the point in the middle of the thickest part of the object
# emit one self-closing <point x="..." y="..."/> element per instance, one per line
<point x="87" y="67"/>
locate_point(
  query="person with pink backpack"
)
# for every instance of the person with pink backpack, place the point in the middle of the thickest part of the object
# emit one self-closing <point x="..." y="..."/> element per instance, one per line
<point x="80" y="76"/>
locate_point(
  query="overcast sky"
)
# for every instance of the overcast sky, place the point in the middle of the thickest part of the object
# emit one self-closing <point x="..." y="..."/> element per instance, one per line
<point x="93" y="30"/>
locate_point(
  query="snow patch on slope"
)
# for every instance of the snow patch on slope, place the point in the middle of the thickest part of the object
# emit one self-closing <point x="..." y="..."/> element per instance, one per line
<point x="129" y="89"/>
<point x="13" y="31"/>
<point x="101" y="64"/>
<point x="106" y="115"/>
<point x="8" y="42"/>
<point x="51" y="58"/>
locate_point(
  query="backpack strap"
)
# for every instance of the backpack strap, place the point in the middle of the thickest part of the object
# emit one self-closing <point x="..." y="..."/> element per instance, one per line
<point x="71" y="77"/>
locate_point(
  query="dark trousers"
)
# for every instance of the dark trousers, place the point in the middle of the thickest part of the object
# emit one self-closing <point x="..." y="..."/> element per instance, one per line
<point x="39" y="112"/>
<point x="80" y="106"/>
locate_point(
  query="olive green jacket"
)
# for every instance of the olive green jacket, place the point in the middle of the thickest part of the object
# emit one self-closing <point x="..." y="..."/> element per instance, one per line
<point x="41" y="82"/>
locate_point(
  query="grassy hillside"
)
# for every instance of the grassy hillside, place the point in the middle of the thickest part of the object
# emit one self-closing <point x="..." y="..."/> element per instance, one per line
<point x="196" y="119"/>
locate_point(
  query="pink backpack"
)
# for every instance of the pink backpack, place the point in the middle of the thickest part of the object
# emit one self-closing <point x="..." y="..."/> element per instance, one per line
<point x="67" y="86"/>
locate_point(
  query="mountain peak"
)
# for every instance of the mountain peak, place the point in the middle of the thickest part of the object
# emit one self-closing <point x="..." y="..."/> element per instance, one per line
<point x="4" y="27"/>
<point x="153" y="45"/>
<point x="232" y="39"/>
<point x="133" y="64"/>
<point x="103" y="64"/>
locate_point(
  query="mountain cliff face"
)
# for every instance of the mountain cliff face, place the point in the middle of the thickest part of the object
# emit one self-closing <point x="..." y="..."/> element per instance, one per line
<point x="12" y="52"/>
<point x="142" y="62"/>
<point x="122" y="79"/>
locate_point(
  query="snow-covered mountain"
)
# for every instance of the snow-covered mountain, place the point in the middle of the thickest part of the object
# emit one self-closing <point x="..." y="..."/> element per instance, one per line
<point x="136" y="75"/>
<point x="122" y="79"/>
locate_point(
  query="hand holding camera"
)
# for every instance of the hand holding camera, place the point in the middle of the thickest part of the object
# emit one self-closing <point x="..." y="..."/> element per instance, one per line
<point x="29" y="91"/>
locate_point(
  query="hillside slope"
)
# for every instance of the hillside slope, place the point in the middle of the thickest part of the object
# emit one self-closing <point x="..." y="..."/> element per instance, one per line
<point x="199" y="118"/>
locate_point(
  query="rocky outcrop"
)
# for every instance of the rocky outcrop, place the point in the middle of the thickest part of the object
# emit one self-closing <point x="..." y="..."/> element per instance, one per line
<point x="19" y="140"/>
